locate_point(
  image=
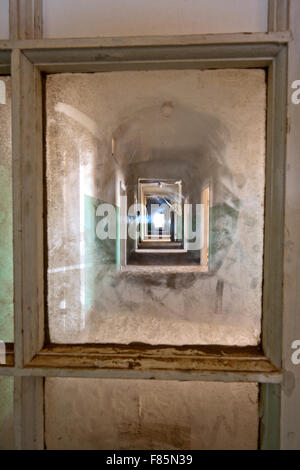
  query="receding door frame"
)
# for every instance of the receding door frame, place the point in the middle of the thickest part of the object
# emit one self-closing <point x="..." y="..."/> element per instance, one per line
<point x="27" y="60"/>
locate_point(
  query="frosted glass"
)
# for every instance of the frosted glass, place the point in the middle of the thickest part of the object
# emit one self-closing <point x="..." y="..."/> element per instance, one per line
<point x="90" y="18"/>
<point x="6" y="413"/>
<point x="4" y="19"/>
<point x="104" y="132"/>
<point x="138" y="415"/>
<point x="6" y="248"/>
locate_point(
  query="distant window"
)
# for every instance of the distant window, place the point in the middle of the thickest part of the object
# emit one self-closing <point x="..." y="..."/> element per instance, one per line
<point x="159" y="220"/>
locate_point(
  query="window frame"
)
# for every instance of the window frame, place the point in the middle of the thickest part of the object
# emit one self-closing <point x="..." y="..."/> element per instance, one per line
<point x="34" y="359"/>
<point x="29" y="63"/>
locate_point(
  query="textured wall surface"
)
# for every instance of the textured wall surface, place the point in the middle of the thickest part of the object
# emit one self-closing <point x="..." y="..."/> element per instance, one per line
<point x="216" y="131"/>
<point x="6" y="249"/>
<point x="120" y="414"/>
<point x="6" y="413"/>
<point x="88" y="18"/>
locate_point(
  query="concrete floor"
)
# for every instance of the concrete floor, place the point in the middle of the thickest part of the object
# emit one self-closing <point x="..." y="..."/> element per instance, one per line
<point x="164" y="259"/>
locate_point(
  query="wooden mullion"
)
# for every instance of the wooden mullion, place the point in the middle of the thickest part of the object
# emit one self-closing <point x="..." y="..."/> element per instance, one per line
<point x="269" y="407"/>
<point x="290" y="393"/>
<point x="278" y="18"/>
<point x="274" y="208"/>
<point x="270" y="394"/>
<point x="26" y="19"/>
<point x="14" y="19"/>
<point x="28" y="208"/>
<point x="17" y="207"/>
<point x="29" y="413"/>
<point x="275" y="37"/>
<point x="225" y="376"/>
<point x="38" y="19"/>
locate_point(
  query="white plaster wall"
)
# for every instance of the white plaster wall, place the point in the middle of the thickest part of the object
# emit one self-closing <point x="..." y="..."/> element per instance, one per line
<point x="4" y="19"/>
<point x="89" y="18"/>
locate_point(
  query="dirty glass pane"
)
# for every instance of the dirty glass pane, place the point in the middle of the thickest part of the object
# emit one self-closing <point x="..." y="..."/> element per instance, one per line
<point x="4" y="19"/>
<point x="138" y="415"/>
<point x="6" y="248"/>
<point x="6" y="413"/>
<point x="155" y="187"/>
<point x="94" y="18"/>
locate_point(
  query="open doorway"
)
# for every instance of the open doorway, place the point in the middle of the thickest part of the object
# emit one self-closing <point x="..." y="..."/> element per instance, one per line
<point x="161" y="215"/>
